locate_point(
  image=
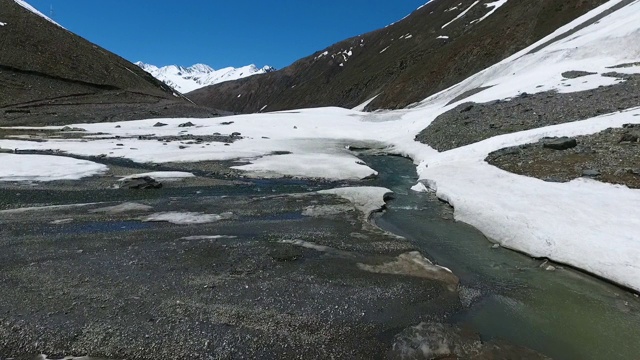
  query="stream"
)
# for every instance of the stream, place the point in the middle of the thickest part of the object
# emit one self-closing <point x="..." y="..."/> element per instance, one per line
<point x="562" y="313"/>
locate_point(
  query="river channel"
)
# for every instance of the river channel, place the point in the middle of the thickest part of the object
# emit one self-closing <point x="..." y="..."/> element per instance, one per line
<point x="563" y="314"/>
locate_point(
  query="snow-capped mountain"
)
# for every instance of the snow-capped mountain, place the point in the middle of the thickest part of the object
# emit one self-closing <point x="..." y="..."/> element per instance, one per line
<point x="186" y="79"/>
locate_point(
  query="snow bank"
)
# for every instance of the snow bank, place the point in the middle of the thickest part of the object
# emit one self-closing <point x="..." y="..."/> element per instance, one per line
<point x="366" y="199"/>
<point x="587" y="224"/>
<point x="122" y="208"/>
<point x="313" y="142"/>
<point x="184" y="218"/>
<point x="207" y="237"/>
<point x="325" y="166"/>
<point x="46" y="168"/>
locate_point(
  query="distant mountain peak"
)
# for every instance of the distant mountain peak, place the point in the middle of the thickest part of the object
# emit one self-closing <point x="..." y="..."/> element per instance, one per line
<point x="186" y="79"/>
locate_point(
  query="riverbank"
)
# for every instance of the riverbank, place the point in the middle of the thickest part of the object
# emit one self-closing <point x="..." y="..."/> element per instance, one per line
<point x="286" y="274"/>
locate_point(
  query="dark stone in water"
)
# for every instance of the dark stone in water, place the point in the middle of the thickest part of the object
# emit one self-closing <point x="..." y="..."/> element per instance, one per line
<point x="142" y="183"/>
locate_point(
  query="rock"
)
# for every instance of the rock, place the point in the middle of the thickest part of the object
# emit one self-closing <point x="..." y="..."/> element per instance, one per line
<point x="118" y="126"/>
<point x="182" y="147"/>
<point x="235" y="133"/>
<point x="550" y="268"/>
<point x="467" y="108"/>
<point x="159" y="124"/>
<point x="591" y="173"/>
<point x="142" y="183"/>
<point x="562" y="143"/>
<point x="226" y="123"/>
<point x="576" y="74"/>
<point x="627" y="137"/>
<point x="69" y="128"/>
<point x="495" y="246"/>
<point x="187" y="124"/>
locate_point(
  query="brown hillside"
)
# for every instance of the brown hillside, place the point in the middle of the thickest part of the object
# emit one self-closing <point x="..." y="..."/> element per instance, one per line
<point x="49" y="75"/>
<point x="404" y="62"/>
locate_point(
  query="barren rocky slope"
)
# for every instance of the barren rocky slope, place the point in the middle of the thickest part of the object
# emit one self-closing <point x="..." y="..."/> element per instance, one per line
<point x="435" y="47"/>
<point x="49" y="75"/>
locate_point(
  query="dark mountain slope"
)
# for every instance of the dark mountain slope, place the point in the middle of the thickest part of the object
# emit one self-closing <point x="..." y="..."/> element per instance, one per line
<point x="404" y="62"/>
<point x="48" y="75"/>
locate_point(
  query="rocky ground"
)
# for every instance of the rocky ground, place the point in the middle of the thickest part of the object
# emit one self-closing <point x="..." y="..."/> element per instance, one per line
<point x="611" y="156"/>
<point x="278" y="276"/>
<point x="471" y="122"/>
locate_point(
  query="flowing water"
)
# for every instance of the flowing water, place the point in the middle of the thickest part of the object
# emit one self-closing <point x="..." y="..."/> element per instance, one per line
<point x="562" y="313"/>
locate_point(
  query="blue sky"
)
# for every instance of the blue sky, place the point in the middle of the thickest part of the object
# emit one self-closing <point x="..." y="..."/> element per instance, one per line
<point x="222" y="33"/>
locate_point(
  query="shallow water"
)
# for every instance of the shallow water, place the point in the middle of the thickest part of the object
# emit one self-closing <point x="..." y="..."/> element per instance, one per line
<point x="563" y="314"/>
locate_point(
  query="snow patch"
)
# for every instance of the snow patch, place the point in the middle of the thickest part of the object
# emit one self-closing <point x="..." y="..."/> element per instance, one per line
<point x="323" y="54"/>
<point x="207" y="237"/>
<point x="494" y="5"/>
<point x="122" y="208"/>
<point x="366" y="199"/>
<point x="364" y="104"/>
<point x="46" y="168"/>
<point x="419" y="187"/>
<point x="337" y="166"/>
<point x="183" y="218"/>
<point x="161" y="175"/>
<point x="461" y="14"/>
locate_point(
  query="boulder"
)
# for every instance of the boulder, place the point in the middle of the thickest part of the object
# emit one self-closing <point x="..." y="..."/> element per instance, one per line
<point x="142" y="183"/>
<point x="591" y="173"/>
<point x="187" y="124"/>
<point x="562" y="143"/>
<point x="628" y="137"/>
<point x="159" y="124"/>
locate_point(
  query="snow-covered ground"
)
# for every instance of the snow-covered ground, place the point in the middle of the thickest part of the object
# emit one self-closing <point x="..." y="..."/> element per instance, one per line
<point x="186" y="79"/>
<point x="45" y="168"/>
<point x="587" y="224"/>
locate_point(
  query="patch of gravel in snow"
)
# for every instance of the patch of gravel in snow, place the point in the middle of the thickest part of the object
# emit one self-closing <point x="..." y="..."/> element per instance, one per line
<point x="612" y="156"/>
<point x="471" y="122"/>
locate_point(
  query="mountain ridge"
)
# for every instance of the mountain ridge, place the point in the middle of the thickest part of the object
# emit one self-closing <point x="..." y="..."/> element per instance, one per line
<point x="85" y="83"/>
<point x="435" y="47"/>
<point x="187" y="79"/>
